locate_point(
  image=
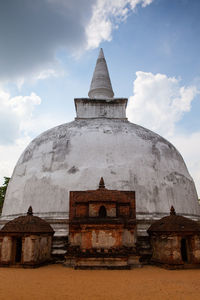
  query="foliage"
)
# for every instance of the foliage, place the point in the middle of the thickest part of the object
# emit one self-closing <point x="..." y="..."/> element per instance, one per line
<point x="3" y="189"/>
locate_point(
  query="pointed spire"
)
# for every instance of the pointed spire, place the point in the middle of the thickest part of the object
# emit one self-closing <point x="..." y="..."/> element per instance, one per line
<point x="30" y="211"/>
<point x="101" y="85"/>
<point x="101" y="183"/>
<point x="172" y="211"/>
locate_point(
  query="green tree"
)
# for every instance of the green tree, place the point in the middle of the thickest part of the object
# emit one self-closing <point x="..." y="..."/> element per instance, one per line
<point x="3" y="189"/>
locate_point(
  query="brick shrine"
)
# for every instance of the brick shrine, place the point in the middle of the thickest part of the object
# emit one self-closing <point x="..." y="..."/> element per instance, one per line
<point x="175" y="242"/>
<point x="102" y="228"/>
<point x="26" y="241"/>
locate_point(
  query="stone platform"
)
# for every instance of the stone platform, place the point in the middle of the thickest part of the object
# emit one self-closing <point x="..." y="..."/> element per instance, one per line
<point x="109" y="263"/>
<point x="113" y="258"/>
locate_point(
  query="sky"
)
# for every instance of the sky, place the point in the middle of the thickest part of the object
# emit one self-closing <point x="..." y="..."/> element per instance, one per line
<point x="48" y="51"/>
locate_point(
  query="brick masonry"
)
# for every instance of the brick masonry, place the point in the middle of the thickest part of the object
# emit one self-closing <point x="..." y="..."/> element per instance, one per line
<point x="102" y="225"/>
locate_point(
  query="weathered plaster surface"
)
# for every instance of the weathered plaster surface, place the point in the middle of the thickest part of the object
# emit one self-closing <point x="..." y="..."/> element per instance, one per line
<point x="103" y="239"/>
<point x="107" y="108"/>
<point x="195" y="248"/>
<point x="28" y="249"/>
<point x="167" y="249"/>
<point x="128" y="238"/>
<point x="6" y="249"/>
<point x="74" y="156"/>
<point x="36" y="249"/>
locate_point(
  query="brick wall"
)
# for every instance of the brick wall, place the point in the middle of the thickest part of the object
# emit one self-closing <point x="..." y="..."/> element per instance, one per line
<point x="89" y="229"/>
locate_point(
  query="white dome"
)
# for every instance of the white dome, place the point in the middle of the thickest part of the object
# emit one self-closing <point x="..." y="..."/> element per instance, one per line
<point x="100" y="143"/>
<point x="74" y="156"/>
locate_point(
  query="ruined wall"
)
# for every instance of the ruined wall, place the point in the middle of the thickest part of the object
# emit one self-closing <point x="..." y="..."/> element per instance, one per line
<point x="6" y="250"/>
<point x="101" y="238"/>
<point x="166" y="249"/>
<point x="129" y="237"/>
<point x="91" y="230"/>
<point x="117" y="203"/>
<point x="28" y="249"/>
<point x="110" y="209"/>
<point x="36" y="249"/>
<point x="195" y="249"/>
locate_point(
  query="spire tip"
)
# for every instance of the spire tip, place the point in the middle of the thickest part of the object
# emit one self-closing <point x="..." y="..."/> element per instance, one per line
<point x="101" y="87"/>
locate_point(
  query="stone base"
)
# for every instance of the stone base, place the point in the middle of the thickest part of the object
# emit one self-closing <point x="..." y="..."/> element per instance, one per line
<point x="134" y="261"/>
<point x="110" y="263"/>
<point x="101" y="263"/>
<point x="144" y="249"/>
<point x="27" y="265"/>
<point x="175" y="266"/>
<point x="59" y="248"/>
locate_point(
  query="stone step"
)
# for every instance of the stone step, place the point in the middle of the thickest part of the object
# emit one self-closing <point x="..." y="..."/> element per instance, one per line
<point x="101" y="263"/>
<point x="59" y="248"/>
<point x="144" y="249"/>
<point x="111" y="263"/>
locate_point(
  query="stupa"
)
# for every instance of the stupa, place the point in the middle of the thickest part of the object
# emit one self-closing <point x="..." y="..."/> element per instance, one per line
<point x="100" y="142"/>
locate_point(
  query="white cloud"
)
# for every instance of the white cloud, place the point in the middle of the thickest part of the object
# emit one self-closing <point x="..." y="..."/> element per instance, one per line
<point x="158" y="103"/>
<point x="30" y="127"/>
<point x="14" y="113"/>
<point x="18" y="125"/>
<point x="105" y="17"/>
<point x="9" y="155"/>
<point x="38" y="124"/>
<point x="31" y="48"/>
<point x="46" y="74"/>
<point x="23" y="106"/>
<point x="41" y="75"/>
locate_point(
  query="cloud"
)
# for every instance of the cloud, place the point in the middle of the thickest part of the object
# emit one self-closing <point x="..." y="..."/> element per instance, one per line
<point x="47" y="73"/>
<point x="106" y="16"/>
<point x="15" y="113"/>
<point x="38" y="124"/>
<point x="30" y="127"/>
<point x="32" y="32"/>
<point x="158" y="103"/>
<point x="9" y="155"/>
<point x="12" y="112"/>
<point x="18" y="125"/>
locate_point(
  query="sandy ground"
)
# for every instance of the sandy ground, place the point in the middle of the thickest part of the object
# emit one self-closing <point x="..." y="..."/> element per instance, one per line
<point x="58" y="282"/>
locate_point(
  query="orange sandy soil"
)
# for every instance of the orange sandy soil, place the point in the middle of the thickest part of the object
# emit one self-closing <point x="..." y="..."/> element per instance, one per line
<point x="58" y="282"/>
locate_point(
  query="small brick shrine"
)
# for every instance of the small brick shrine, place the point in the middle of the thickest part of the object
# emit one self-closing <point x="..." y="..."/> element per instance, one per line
<point x="26" y="241"/>
<point x="175" y="242"/>
<point x="102" y="228"/>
